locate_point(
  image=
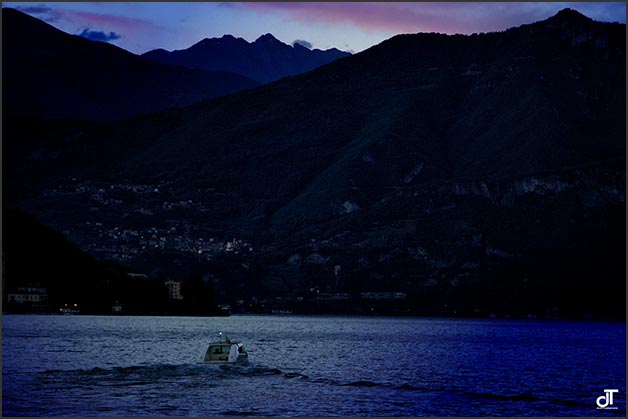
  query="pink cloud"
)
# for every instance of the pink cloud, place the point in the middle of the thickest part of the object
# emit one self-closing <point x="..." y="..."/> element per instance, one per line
<point x="463" y="17"/>
<point x="126" y="25"/>
<point x="374" y="16"/>
<point x="105" y="20"/>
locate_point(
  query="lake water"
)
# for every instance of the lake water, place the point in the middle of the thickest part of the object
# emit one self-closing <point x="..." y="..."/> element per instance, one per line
<point x="310" y="366"/>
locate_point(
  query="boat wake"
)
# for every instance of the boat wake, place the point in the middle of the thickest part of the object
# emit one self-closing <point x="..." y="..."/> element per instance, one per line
<point x="110" y="388"/>
<point x="160" y="372"/>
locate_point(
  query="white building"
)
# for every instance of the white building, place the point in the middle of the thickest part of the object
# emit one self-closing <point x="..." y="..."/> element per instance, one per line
<point x="28" y="295"/>
<point x="174" y="289"/>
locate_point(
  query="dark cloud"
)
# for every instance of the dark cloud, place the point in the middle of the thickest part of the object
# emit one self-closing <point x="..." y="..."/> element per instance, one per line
<point x="40" y="11"/>
<point x="303" y="43"/>
<point x="99" y="36"/>
<point x="34" y="10"/>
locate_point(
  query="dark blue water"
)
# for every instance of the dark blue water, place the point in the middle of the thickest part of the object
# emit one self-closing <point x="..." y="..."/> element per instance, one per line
<point x="310" y="366"/>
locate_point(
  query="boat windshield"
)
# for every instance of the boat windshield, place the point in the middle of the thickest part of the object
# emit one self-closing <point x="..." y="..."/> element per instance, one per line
<point x="219" y="349"/>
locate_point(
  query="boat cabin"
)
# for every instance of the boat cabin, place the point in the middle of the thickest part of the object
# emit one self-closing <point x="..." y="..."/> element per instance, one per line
<point x="224" y="352"/>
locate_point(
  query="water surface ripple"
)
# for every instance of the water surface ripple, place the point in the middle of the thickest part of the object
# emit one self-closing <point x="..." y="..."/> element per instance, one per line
<point x="310" y="366"/>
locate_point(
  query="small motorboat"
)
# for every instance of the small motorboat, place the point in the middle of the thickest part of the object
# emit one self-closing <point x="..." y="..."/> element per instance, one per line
<point x="224" y="351"/>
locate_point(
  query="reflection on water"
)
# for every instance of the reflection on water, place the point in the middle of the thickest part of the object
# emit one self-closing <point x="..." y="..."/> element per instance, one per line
<point x="310" y="366"/>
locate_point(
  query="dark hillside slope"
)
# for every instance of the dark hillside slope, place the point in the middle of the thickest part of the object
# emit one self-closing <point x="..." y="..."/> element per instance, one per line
<point x="415" y="109"/>
<point x="49" y="73"/>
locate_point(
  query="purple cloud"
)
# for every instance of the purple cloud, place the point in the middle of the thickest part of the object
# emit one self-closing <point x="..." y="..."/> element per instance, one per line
<point x="99" y="36"/>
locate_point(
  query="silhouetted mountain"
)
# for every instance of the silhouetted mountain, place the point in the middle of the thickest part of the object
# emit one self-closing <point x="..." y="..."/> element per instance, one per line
<point x="49" y="73"/>
<point x="480" y="172"/>
<point x="265" y="60"/>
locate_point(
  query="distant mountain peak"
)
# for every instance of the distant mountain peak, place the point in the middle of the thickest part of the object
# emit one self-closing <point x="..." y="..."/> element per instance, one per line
<point x="205" y="42"/>
<point x="570" y="16"/>
<point x="264" y="60"/>
<point x="570" y="13"/>
<point x="268" y="37"/>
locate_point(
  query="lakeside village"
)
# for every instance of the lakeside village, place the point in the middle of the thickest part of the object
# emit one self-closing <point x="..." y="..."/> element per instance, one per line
<point x="324" y="286"/>
<point x="122" y="243"/>
<point x="34" y="299"/>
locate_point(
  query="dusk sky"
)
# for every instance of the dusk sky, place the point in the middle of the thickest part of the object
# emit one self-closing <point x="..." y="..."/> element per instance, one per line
<point x="140" y="27"/>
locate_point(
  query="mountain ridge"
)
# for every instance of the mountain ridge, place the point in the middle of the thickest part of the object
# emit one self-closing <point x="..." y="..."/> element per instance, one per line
<point x="58" y="75"/>
<point x="465" y="75"/>
<point x="266" y="59"/>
